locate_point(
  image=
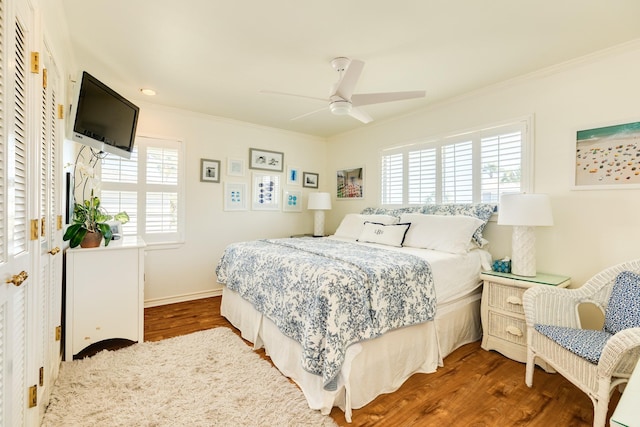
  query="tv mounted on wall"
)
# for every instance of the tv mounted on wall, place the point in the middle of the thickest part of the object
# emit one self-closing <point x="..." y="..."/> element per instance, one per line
<point x="102" y="119"/>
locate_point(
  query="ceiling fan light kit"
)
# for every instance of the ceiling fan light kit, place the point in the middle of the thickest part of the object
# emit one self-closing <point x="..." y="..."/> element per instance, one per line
<point x="343" y="102"/>
<point x="340" y="107"/>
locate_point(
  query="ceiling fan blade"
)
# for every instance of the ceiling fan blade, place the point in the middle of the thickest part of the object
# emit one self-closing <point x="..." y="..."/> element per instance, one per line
<point x="359" y="114"/>
<point x="309" y="113"/>
<point x="377" y="98"/>
<point x="347" y="84"/>
<point x="273" y="92"/>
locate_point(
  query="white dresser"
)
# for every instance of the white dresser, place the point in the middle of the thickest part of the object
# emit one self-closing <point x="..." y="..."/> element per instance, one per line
<point x="104" y="294"/>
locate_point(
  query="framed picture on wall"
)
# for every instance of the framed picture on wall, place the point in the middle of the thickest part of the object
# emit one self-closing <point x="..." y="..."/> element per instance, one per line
<point x="310" y="179"/>
<point x="266" y="160"/>
<point x="350" y="183"/>
<point x="266" y="192"/>
<point x="292" y="201"/>
<point x="235" y="167"/>
<point x="608" y="157"/>
<point x="209" y="170"/>
<point x="235" y="196"/>
<point x="293" y="175"/>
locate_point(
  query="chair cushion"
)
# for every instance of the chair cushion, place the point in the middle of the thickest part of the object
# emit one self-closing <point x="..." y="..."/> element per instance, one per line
<point x="585" y="343"/>
<point x="623" y="309"/>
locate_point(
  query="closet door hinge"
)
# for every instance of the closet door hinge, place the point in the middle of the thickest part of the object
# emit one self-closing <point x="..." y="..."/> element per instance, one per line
<point x="35" y="62"/>
<point x="59" y="222"/>
<point x="33" y="396"/>
<point x="41" y="376"/>
<point x="44" y="78"/>
<point x="58" y="333"/>
<point x="60" y="111"/>
<point x="43" y="228"/>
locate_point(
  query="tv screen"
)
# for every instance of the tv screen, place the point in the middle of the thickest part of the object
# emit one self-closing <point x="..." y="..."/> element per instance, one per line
<point x="102" y="118"/>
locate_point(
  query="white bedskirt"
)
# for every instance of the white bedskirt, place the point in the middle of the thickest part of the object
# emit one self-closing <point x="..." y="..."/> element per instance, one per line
<point x="372" y="367"/>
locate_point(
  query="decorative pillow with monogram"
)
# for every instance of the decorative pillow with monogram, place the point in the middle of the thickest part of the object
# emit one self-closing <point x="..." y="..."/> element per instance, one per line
<point x="384" y="234"/>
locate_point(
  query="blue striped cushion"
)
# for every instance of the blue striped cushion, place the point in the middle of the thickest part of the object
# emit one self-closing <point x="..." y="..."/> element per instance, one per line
<point x="623" y="310"/>
<point x="585" y="343"/>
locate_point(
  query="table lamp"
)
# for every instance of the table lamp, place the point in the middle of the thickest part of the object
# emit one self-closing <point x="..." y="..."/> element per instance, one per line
<point x="524" y="212"/>
<point x="319" y="202"/>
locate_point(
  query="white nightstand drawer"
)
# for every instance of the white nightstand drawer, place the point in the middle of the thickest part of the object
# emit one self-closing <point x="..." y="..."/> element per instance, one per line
<point x="507" y="298"/>
<point x="508" y="328"/>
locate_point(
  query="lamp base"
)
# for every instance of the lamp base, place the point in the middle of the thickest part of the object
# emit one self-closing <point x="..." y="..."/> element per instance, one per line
<point x="523" y="251"/>
<point x="318" y="223"/>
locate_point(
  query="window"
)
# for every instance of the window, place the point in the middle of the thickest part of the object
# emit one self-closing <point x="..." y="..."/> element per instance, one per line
<point x="469" y="167"/>
<point x="148" y="187"/>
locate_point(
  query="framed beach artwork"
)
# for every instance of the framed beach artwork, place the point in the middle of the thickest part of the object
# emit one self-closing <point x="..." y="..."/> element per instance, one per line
<point x="292" y="201"/>
<point x="310" y="179"/>
<point x="266" y="160"/>
<point x="235" y="167"/>
<point x="266" y="192"/>
<point x="209" y="170"/>
<point x="350" y="183"/>
<point x="235" y="196"/>
<point x="293" y="175"/>
<point x="608" y="157"/>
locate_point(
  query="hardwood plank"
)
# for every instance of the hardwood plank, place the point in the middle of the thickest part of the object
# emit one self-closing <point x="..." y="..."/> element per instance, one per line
<point x="474" y="388"/>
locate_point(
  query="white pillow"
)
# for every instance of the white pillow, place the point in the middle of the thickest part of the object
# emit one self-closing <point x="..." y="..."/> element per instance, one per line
<point x="446" y="233"/>
<point x="352" y="224"/>
<point x="385" y="234"/>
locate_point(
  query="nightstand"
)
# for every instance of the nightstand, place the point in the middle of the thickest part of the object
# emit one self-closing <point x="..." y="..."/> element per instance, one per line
<point x="503" y="324"/>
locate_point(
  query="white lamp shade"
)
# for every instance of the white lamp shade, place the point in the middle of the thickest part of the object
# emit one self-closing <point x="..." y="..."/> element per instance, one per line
<point x="525" y="209"/>
<point x="319" y="201"/>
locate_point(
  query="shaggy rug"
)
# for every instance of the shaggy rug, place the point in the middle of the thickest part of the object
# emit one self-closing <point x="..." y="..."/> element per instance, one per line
<point x="207" y="378"/>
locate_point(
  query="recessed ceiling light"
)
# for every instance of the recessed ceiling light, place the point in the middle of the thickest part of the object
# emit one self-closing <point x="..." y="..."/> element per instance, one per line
<point x="149" y="92"/>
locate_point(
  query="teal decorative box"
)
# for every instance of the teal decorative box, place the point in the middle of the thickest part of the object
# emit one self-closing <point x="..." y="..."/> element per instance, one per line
<point x="502" y="266"/>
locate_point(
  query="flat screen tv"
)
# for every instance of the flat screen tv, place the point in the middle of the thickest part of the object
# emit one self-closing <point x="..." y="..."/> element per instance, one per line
<point x="103" y="119"/>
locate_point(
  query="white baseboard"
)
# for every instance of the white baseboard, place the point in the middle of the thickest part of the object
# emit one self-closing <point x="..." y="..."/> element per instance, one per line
<point x="182" y="298"/>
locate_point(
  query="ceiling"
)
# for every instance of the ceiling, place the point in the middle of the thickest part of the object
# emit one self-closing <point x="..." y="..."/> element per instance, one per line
<point x="216" y="56"/>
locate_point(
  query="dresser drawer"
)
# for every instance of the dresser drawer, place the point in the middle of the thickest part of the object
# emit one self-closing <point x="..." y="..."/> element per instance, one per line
<point x="508" y="328"/>
<point x="507" y="298"/>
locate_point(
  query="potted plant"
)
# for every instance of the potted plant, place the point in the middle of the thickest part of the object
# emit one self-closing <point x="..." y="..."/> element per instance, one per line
<point x="90" y="220"/>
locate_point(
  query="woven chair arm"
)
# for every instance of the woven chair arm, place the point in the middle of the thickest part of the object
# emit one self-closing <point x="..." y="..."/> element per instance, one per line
<point x="553" y="306"/>
<point x="621" y="353"/>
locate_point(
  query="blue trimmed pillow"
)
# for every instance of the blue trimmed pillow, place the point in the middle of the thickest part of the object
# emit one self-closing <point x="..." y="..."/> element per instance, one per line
<point x="623" y="309"/>
<point x="384" y="234"/>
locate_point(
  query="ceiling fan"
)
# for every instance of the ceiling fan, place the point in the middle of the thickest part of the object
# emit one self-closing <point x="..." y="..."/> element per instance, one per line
<point x="342" y="101"/>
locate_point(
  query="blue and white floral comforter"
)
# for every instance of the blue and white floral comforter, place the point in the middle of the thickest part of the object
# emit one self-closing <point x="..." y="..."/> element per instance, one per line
<point x="328" y="294"/>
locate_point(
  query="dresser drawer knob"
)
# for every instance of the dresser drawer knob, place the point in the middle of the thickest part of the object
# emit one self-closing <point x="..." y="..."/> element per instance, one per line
<point x="514" y="300"/>
<point x="514" y="331"/>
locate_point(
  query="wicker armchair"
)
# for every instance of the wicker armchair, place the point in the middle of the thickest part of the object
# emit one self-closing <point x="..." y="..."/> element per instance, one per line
<point x="613" y="351"/>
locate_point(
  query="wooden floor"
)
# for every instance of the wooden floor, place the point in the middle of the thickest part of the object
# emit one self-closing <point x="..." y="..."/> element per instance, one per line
<point x="474" y="388"/>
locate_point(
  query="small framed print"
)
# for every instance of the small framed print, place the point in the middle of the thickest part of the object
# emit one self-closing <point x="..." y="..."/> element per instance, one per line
<point x="292" y="201"/>
<point x="293" y="175"/>
<point x="235" y="167"/>
<point x="350" y="183"/>
<point x="266" y="192"/>
<point x="235" y="196"/>
<point x="310" y="179"/>
<point x="209" y="170"/>
<point x="266" y="160"/>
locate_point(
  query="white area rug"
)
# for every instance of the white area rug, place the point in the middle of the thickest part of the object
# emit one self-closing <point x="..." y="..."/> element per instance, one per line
<point x="208" y="378"/>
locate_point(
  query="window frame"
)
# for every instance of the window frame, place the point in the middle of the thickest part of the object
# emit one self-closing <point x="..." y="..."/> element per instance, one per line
<point x="141" y="187"/>
<point x="523" y="123"/>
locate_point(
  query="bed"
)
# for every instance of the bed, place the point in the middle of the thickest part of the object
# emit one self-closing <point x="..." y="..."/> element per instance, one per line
<point x="351" y="316"/>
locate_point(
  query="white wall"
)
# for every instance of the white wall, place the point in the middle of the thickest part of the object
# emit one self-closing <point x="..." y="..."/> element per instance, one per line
<point x="593" y="229"/>
<point x="189" y="270"/>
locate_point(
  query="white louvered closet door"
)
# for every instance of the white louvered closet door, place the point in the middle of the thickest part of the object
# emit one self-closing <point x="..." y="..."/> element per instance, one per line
<point x="17" y="263"/>
<point x="47" y="302"/>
